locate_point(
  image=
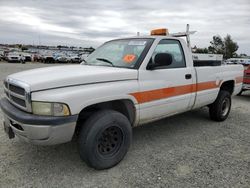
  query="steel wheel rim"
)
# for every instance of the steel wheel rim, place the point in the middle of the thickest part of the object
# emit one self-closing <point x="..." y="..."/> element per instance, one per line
<point x="110" y="141"/>
<point x="225" y="106"/>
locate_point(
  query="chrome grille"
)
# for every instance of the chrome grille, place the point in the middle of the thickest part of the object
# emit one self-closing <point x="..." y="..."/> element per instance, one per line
<point x="16" y="89"/>
<point x="18" y="94"/>
<point x="18" y="101"/>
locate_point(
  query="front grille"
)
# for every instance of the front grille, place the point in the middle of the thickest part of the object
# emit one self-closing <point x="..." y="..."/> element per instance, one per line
<point x="18" y="101"/>
<point x="17" y="89"/>
<point x="17" y="93"/>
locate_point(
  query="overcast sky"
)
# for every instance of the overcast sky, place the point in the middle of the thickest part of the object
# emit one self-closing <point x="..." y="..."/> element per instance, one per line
<point x="84" y="23"/>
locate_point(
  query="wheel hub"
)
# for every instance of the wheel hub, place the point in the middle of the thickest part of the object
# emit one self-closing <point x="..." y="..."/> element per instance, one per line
<point x="225" y="106"/>
<point x="110" y="141"/>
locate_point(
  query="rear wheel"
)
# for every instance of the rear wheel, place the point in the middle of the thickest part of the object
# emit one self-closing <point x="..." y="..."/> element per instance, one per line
<point x="220" y="109"/>
<point x="104" y="139"/>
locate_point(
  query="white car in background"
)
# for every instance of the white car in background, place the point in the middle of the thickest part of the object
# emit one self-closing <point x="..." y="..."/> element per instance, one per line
<point x="48" y="59"/>
<point x="61" y="59"/>
<point x="27" y="57"/>
<point x="242" y="61"/>
<point x="15" y="58"/>
<point x="74" y="59"/>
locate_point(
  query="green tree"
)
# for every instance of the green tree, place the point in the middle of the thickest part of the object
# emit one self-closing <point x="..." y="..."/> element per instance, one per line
<point x="217" y="45"/>
<point x="230" y="47"/>
<point x="225" y="46"/>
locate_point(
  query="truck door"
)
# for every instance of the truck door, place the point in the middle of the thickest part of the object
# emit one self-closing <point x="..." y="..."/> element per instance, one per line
<point x="166" y="90"/>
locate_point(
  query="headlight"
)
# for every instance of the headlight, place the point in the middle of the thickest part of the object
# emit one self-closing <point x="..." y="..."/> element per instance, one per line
<point x="50" y="109"/>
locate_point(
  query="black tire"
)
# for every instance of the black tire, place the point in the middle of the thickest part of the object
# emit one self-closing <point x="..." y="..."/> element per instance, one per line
<point x="104" y="139"/>
<point x="220" y="109"/>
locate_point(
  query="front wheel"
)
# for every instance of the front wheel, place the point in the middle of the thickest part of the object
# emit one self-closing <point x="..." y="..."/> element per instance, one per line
<point x="104" y="139"/>
<point x="220" y="109"/>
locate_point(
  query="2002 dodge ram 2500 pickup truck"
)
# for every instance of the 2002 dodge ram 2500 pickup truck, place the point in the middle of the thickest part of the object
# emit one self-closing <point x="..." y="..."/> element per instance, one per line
<point x="124" y="83"/>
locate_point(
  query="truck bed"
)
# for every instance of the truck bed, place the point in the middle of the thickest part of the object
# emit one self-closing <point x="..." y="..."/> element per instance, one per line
<point x="216" y="75"/>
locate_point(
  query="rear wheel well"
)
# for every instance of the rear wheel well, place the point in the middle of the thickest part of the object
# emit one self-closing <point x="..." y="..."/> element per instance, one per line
<point x="125" y="107"/>
<point x="228" y="86"/>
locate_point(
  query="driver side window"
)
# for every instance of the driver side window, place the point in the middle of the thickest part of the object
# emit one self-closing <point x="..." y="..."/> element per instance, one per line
<point x="174" y="48"/>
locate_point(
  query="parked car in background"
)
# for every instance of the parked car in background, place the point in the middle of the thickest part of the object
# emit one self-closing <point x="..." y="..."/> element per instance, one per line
<point x="246" y="80"/>
<point x="27" y="57"/>
<point x="48" y="59"/>
<point x="61" y="59"/>
<point x="242" y="61"/>
<point x="15" y="58"/>
<point x="37" y="57"/>
<point x="74" y="59"/>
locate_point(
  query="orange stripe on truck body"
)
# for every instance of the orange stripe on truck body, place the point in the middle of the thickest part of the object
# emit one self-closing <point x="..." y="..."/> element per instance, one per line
<point x="206" y="85"/>
<point x="157" y="94"/>
<point x="147" y="96"/>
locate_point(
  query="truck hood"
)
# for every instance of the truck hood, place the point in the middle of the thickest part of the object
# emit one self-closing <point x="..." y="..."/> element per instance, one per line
<point x="69" y="75"/>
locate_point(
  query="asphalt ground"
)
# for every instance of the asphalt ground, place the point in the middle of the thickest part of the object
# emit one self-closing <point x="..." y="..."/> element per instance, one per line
<point x="186" y="150"/>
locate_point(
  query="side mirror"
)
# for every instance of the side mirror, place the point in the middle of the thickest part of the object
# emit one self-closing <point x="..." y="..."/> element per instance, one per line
<point x="160" y="60"/>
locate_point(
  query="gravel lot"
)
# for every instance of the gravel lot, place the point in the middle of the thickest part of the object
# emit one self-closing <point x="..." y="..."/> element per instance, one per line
<point x="187" y="150"/>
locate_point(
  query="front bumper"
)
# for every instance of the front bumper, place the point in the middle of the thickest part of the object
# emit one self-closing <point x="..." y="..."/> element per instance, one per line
<point x="40" y="130"/>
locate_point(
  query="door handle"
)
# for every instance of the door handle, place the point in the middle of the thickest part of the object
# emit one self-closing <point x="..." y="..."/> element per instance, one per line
<point x="188" y="76"/>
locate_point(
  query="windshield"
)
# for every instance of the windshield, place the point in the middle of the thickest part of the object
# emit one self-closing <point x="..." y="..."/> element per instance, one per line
<point x="119" y="53"/>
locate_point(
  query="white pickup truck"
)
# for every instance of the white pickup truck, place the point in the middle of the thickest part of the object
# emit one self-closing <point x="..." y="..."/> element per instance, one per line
<point x="124" y="83"/>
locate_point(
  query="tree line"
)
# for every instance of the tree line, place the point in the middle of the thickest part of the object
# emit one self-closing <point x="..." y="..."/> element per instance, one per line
<point x="219" y="45"/>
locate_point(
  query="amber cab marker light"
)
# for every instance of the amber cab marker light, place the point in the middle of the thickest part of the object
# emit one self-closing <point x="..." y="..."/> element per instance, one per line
<point x="162" y="31"/>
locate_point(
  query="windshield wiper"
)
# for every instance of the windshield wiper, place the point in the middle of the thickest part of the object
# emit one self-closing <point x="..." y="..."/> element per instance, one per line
<point x="106" y="61"/>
